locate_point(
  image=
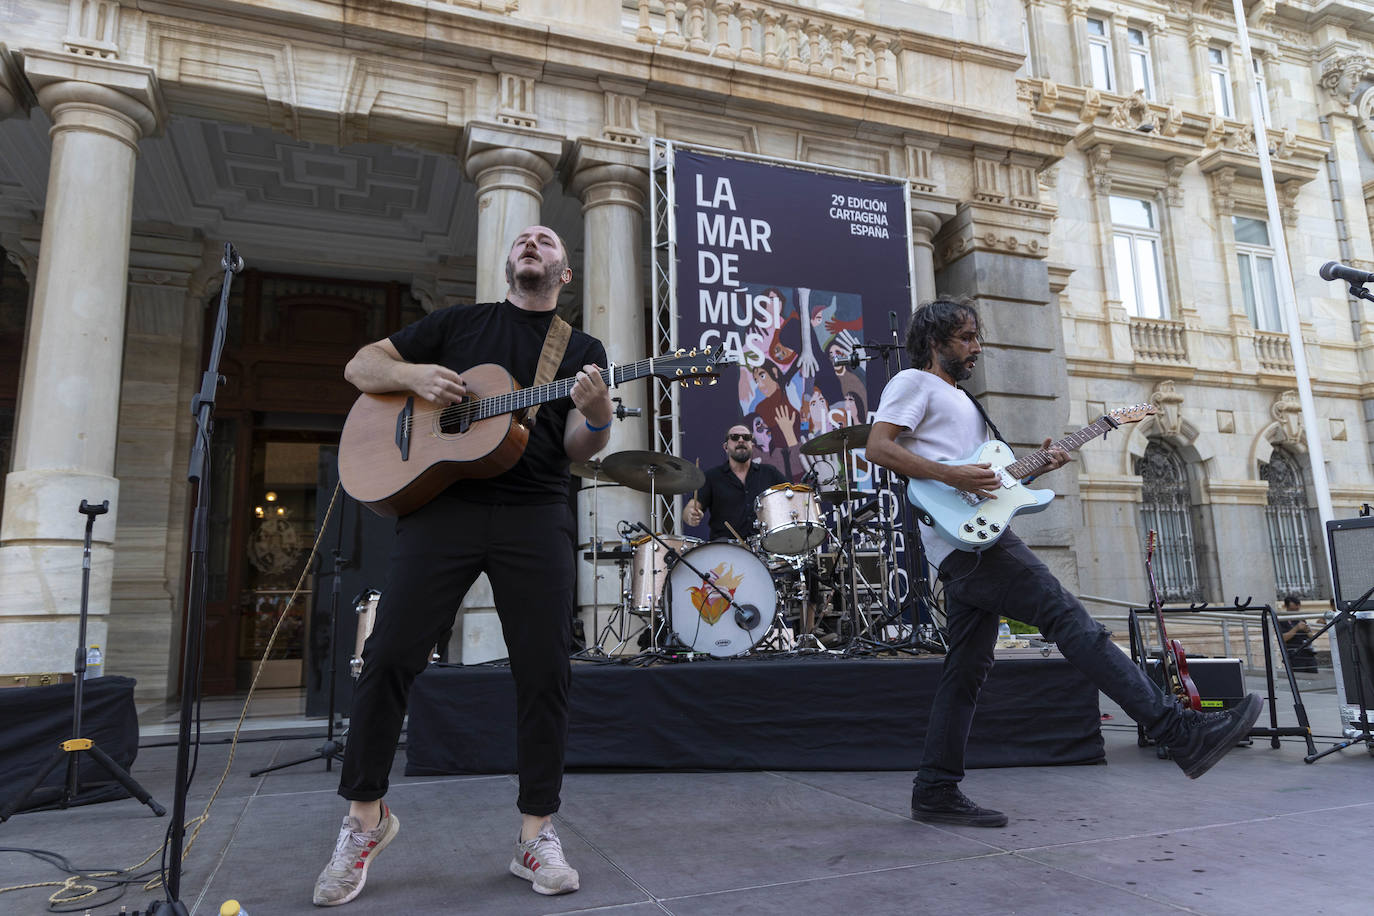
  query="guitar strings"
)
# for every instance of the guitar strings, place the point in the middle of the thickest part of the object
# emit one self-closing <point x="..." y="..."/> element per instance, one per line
<point x="510" y="401"/>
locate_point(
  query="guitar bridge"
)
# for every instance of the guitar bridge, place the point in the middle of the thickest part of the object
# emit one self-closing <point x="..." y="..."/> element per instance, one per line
<point x="403" y="421"/>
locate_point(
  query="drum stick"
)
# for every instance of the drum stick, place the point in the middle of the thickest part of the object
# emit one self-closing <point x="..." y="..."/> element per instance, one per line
<point x="739" y="539"/>
<point x="697" y="462"/>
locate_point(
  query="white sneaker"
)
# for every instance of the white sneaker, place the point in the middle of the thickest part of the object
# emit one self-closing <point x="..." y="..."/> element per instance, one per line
<point x="540" y="861"/>
<point x="344" y="876"/>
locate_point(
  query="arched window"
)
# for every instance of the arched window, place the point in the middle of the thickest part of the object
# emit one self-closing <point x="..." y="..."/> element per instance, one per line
<point x="1286" y="514"/>
<point x="1166" y="509"/>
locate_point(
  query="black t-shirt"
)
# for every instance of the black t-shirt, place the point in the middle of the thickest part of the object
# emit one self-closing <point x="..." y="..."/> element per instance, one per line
<point x="727" y="499"/>
<point x="462" y="336"/>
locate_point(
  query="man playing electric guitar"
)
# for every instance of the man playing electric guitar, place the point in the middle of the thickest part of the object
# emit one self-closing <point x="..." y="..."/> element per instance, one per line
<point x="923" y="419"/>
<point x="516" y="527"/>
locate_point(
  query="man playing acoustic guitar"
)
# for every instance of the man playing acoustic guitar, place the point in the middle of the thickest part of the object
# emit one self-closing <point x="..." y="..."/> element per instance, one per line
<point x="924" y="419"/>
<point x="516" y="527"/>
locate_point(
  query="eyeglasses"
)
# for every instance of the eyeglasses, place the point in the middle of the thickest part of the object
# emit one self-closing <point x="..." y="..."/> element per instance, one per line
<point x="741" y="437"/>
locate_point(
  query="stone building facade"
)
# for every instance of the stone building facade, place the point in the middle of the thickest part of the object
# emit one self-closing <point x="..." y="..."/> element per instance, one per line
<point x="1086" y="170"/>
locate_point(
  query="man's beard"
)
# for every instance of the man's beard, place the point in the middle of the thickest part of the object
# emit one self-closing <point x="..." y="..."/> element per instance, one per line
<point x="534" y="285"/>
<point x="955" y="368"/>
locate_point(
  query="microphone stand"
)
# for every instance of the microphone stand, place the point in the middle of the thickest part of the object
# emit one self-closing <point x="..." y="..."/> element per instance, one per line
<point x="198" y="473"/>
<point x="1366" y="730"/>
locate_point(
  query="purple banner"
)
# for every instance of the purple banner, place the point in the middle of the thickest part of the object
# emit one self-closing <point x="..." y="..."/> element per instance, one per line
<point x="791" y="272"/>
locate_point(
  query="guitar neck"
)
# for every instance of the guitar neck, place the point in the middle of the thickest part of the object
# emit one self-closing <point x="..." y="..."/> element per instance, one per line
<point x="1039" y="460"/>
<point x="560" y="388"/>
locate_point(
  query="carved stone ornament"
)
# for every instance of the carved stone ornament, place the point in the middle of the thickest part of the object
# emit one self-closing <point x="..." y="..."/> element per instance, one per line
<point x="1134" y="113"/>
<point x="1340" y="76"/>
<point x="1169" y="403"/>
<point x="1287" y="410"/>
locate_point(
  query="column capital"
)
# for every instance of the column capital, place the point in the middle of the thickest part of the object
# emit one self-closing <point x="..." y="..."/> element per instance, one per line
<point x="994" y="228"/>
<point x="70" y="85"/>
<point x="15" y="93"/>
<point x="485" y="147"/>
<point x="924" y="225"/>
<point x="595" y="164"/>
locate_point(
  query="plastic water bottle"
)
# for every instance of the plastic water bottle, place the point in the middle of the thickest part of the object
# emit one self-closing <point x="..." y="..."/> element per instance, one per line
<point x="95" y="662"/>
<point x="1004" y="630"/>
<point x="231" y="908"/>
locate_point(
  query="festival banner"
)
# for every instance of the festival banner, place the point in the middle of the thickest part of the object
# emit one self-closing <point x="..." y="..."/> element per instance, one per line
<point x="790" y="271"/>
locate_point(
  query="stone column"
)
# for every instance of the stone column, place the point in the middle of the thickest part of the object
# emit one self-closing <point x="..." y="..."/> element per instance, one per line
<point x="510" y="165"/>
<point x="610" y="180"/>
<point x="169" y="277"/>
<point x="924" y="225"/>
<point x="64" y="444"/>
<point x="997" y="254"/>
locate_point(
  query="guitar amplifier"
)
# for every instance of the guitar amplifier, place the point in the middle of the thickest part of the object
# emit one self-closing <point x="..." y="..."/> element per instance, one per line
<point x="1219" y="681"/>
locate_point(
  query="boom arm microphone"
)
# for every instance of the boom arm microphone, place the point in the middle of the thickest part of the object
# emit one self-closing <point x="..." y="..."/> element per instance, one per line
<point x="1333" y="270"/>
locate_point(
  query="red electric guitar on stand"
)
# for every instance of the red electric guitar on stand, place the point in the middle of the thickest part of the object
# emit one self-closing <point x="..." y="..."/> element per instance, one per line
<point x="1174" y="660"/>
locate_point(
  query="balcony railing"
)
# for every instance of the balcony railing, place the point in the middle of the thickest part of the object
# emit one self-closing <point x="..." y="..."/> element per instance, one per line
<point x="1274" y="352"/>
<point x="1156" y="340"/>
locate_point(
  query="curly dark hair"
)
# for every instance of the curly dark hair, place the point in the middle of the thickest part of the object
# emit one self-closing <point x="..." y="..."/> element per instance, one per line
<point x="935" y="322"/>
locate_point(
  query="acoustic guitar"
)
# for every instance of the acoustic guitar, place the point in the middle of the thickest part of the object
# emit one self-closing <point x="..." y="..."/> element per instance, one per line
<point x="398" y="451"/>
<point x="972" y="522"/>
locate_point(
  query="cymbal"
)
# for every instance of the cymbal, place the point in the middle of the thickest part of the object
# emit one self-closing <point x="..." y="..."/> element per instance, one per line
<point x="834" y="492"/>
<point x="669" y="474"/>
<point x="591" y="470"/>
<point x="838" y="440"/>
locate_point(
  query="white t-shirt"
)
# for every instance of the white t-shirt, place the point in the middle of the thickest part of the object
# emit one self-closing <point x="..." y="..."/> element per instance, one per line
<point x="938" y="422"/>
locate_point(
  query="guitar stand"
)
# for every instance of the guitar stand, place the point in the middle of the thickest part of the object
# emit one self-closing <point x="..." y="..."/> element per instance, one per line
<point x="71" y="749"/>
<point x="1269" y="624"/>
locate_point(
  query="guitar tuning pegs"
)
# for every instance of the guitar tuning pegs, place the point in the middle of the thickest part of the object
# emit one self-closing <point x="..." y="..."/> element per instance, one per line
<point x="679" y="373"/>
<point x="678" y="352"/>
<point x="694" y="352"/>
<point x="706" y="350"/>
<point x="712" y="381"/>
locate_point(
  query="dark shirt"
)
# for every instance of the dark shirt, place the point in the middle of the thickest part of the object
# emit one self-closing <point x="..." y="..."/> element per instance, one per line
<point x="729" y="500"/>
<point x="462" y="336"/>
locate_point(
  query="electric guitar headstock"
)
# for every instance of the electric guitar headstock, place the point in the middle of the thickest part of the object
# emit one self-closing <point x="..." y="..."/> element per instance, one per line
<point x="1133" y="414"/>
<point x="694" y="365"/>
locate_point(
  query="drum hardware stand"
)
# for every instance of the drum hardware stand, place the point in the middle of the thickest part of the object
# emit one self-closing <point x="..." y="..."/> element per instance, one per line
<point x="72" y="749"/>
<point x="331" y="750"/>
<point x="746" y="615"/>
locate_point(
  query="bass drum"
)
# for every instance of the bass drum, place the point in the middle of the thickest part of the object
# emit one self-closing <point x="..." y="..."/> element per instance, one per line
<point x="703" y="617"/>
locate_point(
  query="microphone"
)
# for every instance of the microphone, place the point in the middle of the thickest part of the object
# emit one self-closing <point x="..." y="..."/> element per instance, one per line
<point x="855" y="358"/>
<point x="892" y="323"/>
<point x="621" y="411"/>
<point x="1332" y="270"/>
<point x="747" y="616"/>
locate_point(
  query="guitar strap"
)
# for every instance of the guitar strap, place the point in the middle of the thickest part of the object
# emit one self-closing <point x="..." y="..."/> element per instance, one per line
<point x="986" y="419"/>
<point x="550" y="358"/>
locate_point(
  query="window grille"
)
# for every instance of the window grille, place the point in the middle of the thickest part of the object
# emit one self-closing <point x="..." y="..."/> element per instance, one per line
<point x="1286" y="513"/>
<point x="1167" y="510"/>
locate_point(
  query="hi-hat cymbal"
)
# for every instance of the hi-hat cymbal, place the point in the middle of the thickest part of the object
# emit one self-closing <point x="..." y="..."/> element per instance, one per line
<point x="642" y="470"/>
<point x="589" y="469"/>
<point x="838" y="440"/>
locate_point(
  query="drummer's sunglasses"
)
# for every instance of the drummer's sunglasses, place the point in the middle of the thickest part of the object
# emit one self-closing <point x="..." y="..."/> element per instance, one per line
<point x="741" y="437"/>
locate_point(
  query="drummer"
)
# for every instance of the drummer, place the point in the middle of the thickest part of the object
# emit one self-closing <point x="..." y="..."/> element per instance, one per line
<point x="731" y="488"/>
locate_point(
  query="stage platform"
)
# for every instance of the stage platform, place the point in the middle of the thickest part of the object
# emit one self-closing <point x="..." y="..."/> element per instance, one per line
<point x="818" y="712"/>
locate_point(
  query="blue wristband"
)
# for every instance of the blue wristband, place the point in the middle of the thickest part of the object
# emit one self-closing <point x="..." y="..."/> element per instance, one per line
<point x="596" y="429"/>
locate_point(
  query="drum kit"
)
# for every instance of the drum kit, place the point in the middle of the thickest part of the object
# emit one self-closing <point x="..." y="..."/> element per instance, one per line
<point x="800" y="582"/>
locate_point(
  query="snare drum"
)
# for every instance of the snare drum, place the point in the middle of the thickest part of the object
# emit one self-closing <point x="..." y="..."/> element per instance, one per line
<point x="790" y="519"/>
<point x="366" y="609"/>
<point x="706" y="619"/>
<point x="649" y="571"/>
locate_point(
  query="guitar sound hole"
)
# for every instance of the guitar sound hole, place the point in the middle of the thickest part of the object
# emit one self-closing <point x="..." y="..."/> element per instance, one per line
<point x="453" y="420"/>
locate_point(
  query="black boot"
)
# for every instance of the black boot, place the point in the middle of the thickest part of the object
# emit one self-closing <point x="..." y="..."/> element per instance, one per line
<point x="1207" y="738"/>
<point x="945" y="804"/>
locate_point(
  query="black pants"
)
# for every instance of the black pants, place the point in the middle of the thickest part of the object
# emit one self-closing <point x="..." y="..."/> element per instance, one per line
<point x="440" y="549"/>
<point x="1008" y="580"/>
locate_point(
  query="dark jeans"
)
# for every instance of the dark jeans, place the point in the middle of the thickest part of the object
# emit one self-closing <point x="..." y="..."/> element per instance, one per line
<point x="1007" y="580"/>
<point x="527" y="554"/>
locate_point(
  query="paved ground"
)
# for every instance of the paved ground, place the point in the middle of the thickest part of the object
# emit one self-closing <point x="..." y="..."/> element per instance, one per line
<point x="1262" y="833"/>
